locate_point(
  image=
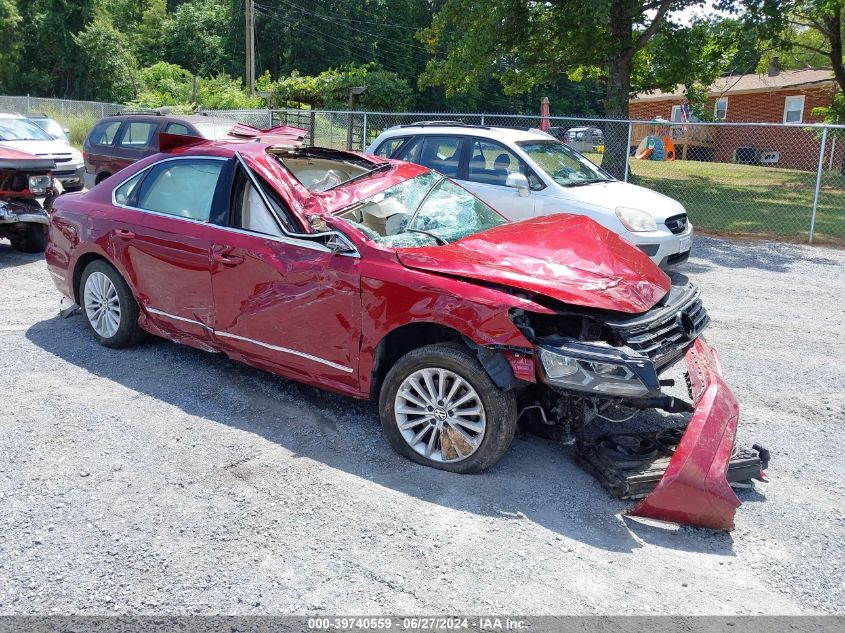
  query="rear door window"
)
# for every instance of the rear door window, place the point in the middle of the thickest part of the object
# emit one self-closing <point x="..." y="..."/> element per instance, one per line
<point x="178" y="128"/>
<point x="388" y="147"/>
<point x="183" y="188"/>
<point x="105" y="132"/>
<point x="440" y="153"/>
<point x="138" y="135"/>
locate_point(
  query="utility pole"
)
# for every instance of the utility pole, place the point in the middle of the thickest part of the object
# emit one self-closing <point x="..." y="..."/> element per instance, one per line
<point x="249" y="6"/>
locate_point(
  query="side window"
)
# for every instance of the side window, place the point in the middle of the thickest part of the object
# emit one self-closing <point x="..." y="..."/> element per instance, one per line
<point x="250" y="213"/>
<point x="490" y="163"/>
<point x="178" y="128"/>
<point x="388" y="147"/>
<point x="440" y="153"/>
<point x="105" y="132"/>
<point x="138" y="134"/>
<point x="183" y="188"/>
<point x="125" y="193"/>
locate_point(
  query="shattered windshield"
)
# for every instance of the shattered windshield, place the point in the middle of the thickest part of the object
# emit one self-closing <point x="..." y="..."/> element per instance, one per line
<point x="566" y="166"/>
<point x="422" y="211"/>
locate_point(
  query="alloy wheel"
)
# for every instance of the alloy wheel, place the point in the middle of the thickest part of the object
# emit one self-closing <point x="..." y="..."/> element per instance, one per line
<point x="440" y="415"/>
<point x="102" y="306"/>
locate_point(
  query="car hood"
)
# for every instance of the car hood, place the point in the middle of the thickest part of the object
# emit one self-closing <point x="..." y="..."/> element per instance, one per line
<point x="11" y="158"/>
<point x="43" y="149"/>
<point x="569" y="258"/>
<point x="615" y="193"/>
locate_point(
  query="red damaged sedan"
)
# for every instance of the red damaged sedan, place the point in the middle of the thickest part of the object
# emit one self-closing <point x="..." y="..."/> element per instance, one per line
<point x="384" y="280"/>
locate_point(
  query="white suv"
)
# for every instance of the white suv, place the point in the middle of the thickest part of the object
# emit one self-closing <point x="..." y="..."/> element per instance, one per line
<point x="526" y="173"/>
<point x="19" y="133"/>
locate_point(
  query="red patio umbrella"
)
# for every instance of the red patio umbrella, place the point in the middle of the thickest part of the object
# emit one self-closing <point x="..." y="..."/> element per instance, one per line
<point x="544" y="115"/>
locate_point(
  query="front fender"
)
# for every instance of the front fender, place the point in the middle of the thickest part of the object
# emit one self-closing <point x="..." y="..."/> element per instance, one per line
<point x="403" y="297"/>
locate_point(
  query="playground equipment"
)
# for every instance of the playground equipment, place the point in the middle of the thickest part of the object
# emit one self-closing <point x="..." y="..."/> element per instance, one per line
<point x="654" y="147"/>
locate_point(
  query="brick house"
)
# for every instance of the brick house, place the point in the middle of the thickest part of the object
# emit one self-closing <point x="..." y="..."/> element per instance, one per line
<point x="787" y="96"/>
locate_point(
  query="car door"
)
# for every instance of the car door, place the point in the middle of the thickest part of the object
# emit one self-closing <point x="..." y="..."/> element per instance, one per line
<point x="137" y="140"/>
<point x="166" y="250"/>
<point x="488" y="166"/>
<point x="99" y="148"/>
<point x="283" y="302"/>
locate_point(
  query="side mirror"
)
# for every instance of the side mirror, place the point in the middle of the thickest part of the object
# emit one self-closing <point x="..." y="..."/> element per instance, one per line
<point x="66" y="130"/>
<point x="340" y="245"/>
<point x="518" y="182"/>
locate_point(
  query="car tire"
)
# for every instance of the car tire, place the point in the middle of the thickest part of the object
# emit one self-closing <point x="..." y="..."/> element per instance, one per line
<point x="33" y="240"/>
<point x="109" y="308"/>
<point x="458" y="439"/>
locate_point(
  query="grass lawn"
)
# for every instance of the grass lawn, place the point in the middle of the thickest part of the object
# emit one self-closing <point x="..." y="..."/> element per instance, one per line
<point x="748" y="199"/>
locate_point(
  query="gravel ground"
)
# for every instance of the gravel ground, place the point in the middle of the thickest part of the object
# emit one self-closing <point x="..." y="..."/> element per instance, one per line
<point x="162" y="479"/>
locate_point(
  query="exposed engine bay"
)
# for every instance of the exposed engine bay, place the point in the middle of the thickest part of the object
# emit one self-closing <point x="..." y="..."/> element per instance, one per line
<point x="600" y="367"/>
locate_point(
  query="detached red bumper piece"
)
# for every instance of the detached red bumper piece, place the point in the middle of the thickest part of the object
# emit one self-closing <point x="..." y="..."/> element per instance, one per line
<point x="694" y="490"/>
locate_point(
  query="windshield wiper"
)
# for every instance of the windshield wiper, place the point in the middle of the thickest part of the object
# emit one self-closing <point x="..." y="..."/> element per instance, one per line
<point x="436" y="238"/>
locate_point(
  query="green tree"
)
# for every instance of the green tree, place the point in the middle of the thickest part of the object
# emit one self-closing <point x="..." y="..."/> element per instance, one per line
<point x="108" y="59"/>
<point x="10" y="19"/>
<point x="525" y="44"/>
<point x="197" y="36"/>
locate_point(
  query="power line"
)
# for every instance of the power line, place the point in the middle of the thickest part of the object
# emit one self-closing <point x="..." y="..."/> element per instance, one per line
<point x="339" y="21"/>
<point x="366" y="54"/>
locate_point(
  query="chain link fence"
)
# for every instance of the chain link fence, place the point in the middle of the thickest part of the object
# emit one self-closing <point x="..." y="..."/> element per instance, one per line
<point x="775" y="180"/>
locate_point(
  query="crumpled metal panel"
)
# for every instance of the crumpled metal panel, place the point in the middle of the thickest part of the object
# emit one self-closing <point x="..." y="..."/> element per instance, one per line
<point x="566" y="257"/>
<point x="694" y="490"/>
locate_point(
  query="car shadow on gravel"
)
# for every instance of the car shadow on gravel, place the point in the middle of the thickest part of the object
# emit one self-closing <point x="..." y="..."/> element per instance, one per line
<point x="10" y="258"/>
<point x="709" y="252"/>
<point x="536" y="481"/>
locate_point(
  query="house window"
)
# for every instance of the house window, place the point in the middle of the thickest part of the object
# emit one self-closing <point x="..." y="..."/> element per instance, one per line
<point x="676" y="113"/>
<point x="793" y="109"/>
<point x="720" y="111"/>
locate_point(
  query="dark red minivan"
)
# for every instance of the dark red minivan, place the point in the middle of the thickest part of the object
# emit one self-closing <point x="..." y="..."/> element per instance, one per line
<point x="116" y="142"/>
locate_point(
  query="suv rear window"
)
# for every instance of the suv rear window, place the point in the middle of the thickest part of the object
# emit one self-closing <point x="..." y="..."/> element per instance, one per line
<point x="105" y="132"/>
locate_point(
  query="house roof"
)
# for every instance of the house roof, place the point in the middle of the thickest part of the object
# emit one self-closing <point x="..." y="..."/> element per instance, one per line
<point x="760" y="82"/>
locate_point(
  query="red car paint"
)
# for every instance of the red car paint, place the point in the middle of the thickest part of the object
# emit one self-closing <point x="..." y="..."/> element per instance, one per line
<point x="694" y="488"/>
<point x="320" y="318"/>
<point x="597" y="270"/>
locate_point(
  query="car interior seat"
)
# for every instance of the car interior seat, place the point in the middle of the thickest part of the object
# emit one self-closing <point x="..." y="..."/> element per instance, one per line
<point x="375" y="215"/>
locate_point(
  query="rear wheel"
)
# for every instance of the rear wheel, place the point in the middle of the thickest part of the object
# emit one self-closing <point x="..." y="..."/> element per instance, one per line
<point x="108" y="305"/>
<point x="438" y="407"/>
<point x="33" y="239"/>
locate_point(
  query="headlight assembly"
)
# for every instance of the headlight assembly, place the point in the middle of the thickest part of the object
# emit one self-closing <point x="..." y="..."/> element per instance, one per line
<point x="39" y="184"/>
<point x="604" y="372"/>
<point x="635" y="220"/>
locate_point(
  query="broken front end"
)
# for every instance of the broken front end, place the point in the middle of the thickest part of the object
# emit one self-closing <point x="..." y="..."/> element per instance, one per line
<point x="27" y="191"/>
<point x="597" y="367"/>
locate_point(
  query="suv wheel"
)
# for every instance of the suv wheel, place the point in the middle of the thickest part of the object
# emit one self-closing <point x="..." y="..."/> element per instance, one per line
<point x="438" y="407"/>
<point x="108" y="305"/>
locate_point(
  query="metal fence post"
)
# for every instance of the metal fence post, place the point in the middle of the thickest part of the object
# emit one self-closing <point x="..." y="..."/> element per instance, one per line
<point x="628" y="150"/>
<point x="364" y="138"/>
<point x="818" y="184"/>
<point x="482" y="119"/>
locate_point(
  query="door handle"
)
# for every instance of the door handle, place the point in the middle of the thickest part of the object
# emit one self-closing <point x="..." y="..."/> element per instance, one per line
<point x="227" y="260"/>
<point x="124" y="233"/>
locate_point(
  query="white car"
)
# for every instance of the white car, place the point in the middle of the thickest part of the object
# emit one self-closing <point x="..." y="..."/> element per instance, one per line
<point x="19" y="133"/>
<point x="527" y="173"/>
